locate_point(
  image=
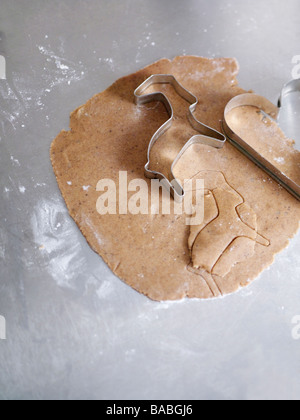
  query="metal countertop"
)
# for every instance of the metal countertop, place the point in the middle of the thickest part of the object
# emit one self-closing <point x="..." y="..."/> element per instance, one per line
<point x="74" y="330"/>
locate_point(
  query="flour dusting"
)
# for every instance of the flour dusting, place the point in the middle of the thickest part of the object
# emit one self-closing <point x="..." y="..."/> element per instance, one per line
<point x="58" y="241"/>
<point x="62" y="71"/>
<point x="25" y="93"/>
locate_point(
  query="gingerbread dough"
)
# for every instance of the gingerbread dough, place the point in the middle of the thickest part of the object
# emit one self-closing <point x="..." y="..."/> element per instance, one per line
<point x="265" y="137"/>
<point x="248" y="217"/>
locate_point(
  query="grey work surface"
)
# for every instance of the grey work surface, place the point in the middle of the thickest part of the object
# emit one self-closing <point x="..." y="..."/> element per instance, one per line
<point x="74" y="330"/>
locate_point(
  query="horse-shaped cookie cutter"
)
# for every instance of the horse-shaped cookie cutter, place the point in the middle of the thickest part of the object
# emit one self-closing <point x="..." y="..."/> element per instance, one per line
<point x="210" y="136"/>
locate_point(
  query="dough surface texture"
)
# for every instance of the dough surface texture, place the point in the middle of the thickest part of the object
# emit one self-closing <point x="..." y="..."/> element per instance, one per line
<point x="248" y="217"/>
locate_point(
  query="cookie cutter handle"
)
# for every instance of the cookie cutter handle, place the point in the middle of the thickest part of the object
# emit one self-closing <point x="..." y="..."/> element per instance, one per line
<point x="272" y="111"/>
<point x="290" y="87"/>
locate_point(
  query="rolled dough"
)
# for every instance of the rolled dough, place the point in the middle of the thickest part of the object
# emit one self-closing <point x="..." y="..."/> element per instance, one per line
<point x="248" y="217"/>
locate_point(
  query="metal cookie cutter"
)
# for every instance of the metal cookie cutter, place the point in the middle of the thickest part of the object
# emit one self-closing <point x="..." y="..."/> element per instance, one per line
<point x="270" y="111"/>
<point x="208" y="136"/>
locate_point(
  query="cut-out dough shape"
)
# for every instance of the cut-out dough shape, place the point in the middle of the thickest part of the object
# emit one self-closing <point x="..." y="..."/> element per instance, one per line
<point x="239" y="250"/>
<point x="228" y="234"/>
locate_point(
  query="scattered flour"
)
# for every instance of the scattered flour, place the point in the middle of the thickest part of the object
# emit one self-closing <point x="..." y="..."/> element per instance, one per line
<point x="15" y="161"/>
<point x="58" y="241"/>
<point x="24" y="93"/>
<point x="66" y="70"/>
<point x="105" y="290"/>
<point x="109" y="62"/>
